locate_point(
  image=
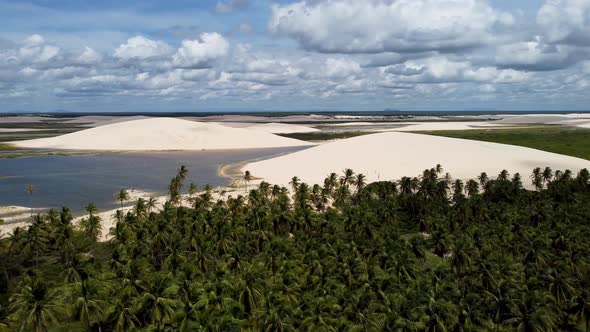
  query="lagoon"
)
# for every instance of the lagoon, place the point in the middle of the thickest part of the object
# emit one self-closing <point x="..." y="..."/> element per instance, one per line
<point x="75" y="181"/>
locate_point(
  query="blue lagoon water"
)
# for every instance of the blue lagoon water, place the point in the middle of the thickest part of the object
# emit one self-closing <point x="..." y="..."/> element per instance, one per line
<point x="75" y="181"/>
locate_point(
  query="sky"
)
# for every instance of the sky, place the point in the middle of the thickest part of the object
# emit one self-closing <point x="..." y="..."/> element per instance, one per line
<point x="300" y="55"/>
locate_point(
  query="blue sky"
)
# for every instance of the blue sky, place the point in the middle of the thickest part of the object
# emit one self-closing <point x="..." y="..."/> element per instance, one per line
<point x="211" y="55"/>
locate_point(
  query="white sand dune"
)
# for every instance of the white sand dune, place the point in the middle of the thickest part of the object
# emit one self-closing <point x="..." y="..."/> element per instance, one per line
<point x="103" y="120"/>
<point x="161" y="134"/>
<point x="392" y="155"/>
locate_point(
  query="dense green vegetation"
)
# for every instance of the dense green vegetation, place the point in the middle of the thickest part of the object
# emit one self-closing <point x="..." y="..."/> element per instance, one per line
<point x="7" y="147"/>
<point x="422" y="254"/>
<point x="564" y="140"/>
<point x="325" y="136"/>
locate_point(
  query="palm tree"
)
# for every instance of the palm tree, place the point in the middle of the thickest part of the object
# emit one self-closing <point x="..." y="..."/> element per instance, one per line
<point x="158" y="299"/>
<point x="192" y="190"/>
<point x="151" y="204"/>
<point x="91" y="227"/>
<point x="583" y="176"/>
<point x="529" y="316"/>
<point x="580" y="307"/>
<point x="547" y="175"/>
<point x="247" y="178"/>
<point x="347" y="178"/>
<point x="122" y="196"/>
<point x="537" y="178"/>
<point x="91" y="209"/>
<point x="483" y="179"/>
<point x="182" y="172"/>
<point x="36" y="307"/>
<point x="29" y="189"/>
<point x="360" y="182"/>
<point x="472" y="188"/>
<point x="35" y="240"/>
<point x="294" y="184"/>
<point x="438" y="169"/>
<point x="140" y="208"/>
<point x="4" y="320"/>
<point x="85" y="305"/>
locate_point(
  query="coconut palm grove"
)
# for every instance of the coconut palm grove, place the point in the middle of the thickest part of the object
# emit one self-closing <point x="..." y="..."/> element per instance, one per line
<point x="427" y="253"/>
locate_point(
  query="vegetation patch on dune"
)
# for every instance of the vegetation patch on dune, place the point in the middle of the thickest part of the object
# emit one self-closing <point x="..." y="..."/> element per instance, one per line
<point x="7" y="147"/>
<point x="569" y="141"/>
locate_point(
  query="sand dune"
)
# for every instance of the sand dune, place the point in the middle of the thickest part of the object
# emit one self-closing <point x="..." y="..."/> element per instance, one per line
<point x="103" y="120"/>
<point x="160" y="134"/>
<point x="391" y="155"/>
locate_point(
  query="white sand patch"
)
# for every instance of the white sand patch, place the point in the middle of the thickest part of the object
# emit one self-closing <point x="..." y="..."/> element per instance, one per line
<point x="428" y="126"/>
<point x="25" y="119"/>
<point x="392" y="155"/>
<point x="533" y="118"/>
<point x="19" y="130"/>
<point x="162" y="134"/>
<point x="7" y="210"/>
<point x="584" y="123"/>
<point x="282" y="128"/>
<point x="271" y="127"/>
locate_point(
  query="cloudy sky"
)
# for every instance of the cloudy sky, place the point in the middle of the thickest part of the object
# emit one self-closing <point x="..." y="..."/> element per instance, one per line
<point x="210" y="55"/>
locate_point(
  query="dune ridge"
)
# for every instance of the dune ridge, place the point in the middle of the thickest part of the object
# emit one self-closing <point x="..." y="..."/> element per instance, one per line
<point x="392" y="155"/>
<point x="162" y="134"/>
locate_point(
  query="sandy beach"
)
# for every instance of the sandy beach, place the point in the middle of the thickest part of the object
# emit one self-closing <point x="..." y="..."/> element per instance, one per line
<point x="392" y="155"/>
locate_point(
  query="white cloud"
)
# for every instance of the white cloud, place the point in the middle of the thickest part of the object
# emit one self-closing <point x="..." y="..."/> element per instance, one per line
<point x="201" y="52"/>
<point x="34" y="40"/>
<point x="375" y="26"/>
<point x="443" y="70"/>
<point x="89" y="56"/>
<point x="36" y="51"/>
<point x="565" y="21"/>
<point x="341" y="68"/>
<point x="536" y="55"/>
<point x="139" y="47"/>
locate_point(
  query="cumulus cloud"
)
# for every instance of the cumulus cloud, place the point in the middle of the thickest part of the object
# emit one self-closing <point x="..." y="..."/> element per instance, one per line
<point x="376" y="26"/>
<point x="139" y="47"/>
<point x="440" y="69"/>
<point x="89" y="56"/>
<point x="341" y="68"/>
<point x="565" y="21"/>
<point x="35" y="50"/>
<point x="201" y="52"/>
<point x="536" y="55"/>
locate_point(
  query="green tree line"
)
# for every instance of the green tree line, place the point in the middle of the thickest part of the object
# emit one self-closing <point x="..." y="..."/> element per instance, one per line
<point x="424" y="253"/>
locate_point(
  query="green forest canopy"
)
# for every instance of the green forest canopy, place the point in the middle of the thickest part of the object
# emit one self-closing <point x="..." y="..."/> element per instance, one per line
<point x="424" y="253"/>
